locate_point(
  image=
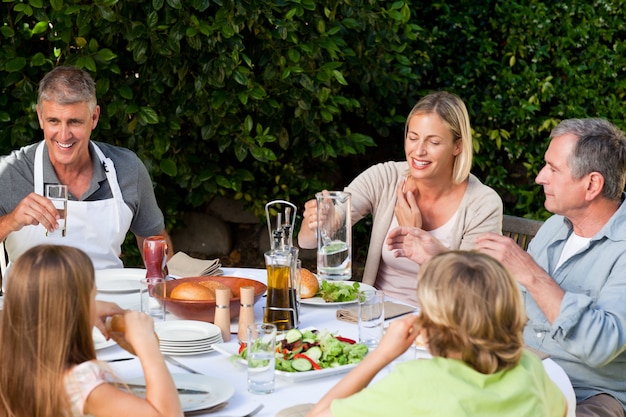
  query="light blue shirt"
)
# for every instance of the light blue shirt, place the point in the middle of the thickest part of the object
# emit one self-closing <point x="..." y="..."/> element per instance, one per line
<point x="588" y="337"/>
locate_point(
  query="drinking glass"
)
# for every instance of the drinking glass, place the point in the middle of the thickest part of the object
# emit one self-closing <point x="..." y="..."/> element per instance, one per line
<point x="261" y="358"/>
<point x="57" y="193"/>
<point x="152" y="292"/>
<point x="334" y="235"/>
<point x="371" y="317"/>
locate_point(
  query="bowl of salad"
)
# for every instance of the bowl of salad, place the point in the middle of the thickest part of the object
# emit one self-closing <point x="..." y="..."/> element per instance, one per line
<point x="306" y="354"/>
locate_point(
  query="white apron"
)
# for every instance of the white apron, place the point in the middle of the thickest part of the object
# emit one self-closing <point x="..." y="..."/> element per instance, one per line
<point x="97" y="227"/>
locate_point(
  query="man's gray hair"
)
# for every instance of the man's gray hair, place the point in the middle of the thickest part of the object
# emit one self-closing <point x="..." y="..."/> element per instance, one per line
<point x="68" y="85"/>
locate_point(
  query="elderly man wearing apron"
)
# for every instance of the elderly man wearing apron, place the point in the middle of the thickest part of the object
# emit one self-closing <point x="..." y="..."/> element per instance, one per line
<point x="110" y="190"/>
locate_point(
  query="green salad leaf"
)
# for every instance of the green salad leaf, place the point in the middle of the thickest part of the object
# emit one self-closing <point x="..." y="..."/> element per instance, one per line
<point x="338" y="292"/>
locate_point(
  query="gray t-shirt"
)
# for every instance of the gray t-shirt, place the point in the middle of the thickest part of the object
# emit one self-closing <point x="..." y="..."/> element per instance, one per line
<point x="17" y="181"/>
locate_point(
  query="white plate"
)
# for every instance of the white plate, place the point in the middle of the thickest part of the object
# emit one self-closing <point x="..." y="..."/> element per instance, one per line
<point x="185" y="330"/>
<point x="187" y="351"/>
<point x="231" y="349"/>
<point x="318" y="301"/>
<point x="99" y="341"/>
<point x="120" y="280"/>
<point x="219" y="390"/>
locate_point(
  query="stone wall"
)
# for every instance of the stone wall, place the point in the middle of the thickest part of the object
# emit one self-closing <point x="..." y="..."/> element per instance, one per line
<point x="226" y="230"/>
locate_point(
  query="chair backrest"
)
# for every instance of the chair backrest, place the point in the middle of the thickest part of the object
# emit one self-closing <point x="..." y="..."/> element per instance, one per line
<point x="519" y="229"/>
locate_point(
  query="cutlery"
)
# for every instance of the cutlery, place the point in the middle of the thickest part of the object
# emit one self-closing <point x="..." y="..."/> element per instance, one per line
<point x="180" y="365"/>
<point x="187" y="391"/>
<point x="119" y="360"/>
<point x="251" y="413"/>
<point x="219" y="407"/>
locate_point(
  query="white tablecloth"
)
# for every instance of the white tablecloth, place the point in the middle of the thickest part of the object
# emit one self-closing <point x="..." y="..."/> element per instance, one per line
<point x="286" y="393"/>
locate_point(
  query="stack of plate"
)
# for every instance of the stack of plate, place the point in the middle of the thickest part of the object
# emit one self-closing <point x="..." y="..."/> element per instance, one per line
<point x="187" y="337"/>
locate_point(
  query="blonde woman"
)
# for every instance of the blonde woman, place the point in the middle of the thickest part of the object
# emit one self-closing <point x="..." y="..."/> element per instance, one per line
<point x="471" y="319"/>
<point x="432" y="191"/>
<point x="49" y="366"/>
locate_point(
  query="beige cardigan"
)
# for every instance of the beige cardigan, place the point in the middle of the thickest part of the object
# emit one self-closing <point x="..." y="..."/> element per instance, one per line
<point x="374" y="191"/>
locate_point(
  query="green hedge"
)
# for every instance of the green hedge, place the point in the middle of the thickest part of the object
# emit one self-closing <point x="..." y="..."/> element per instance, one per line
<point x="266" y="99"/>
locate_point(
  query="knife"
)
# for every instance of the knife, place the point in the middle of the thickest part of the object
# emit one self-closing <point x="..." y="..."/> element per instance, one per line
<point x="180" y="365"/>
<point x="187" y="391"/>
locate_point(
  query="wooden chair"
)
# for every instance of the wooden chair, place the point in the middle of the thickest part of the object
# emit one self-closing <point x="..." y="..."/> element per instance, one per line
<point x="519" y="229"/>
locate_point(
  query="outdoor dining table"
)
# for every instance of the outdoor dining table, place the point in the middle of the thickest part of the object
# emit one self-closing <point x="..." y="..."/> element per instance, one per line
<point x="287" y="393"/>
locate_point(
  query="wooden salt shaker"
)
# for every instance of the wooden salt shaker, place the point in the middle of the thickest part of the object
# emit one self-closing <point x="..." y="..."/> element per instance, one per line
<point x="222" y="311"/>
<point x="246" y="312"/>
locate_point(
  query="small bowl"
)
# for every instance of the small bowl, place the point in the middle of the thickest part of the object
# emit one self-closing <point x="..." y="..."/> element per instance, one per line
<point x="205" y="310"/>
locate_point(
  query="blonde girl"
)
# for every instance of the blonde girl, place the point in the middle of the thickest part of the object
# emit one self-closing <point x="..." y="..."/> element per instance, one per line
<point x="49" y="362"/>
<point x="471" y="319"/>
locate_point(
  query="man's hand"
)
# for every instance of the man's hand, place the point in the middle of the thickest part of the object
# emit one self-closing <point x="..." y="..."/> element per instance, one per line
<point x="542" y="288"/>
<point x="34" y="209"/>
<point x="416" y="244"/>
<point x="106" y="309"/>
<point x="519" y="263"/>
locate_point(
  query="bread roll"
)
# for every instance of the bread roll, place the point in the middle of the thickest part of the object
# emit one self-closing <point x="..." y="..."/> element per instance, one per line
<point x="192" y="291"/>
<point x="212" y="286"/>
<point x="116" y="328"/>
<point x="309" y="285"/>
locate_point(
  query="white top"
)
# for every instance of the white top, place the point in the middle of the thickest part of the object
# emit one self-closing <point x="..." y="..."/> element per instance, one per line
<point x="397" y="277"/>
<point x="573" y="245"/>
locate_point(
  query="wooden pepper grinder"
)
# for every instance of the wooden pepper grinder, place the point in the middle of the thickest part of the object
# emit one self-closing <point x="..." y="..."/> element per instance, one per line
<point x="246" y="312"/>
<point x="222" y="311"/>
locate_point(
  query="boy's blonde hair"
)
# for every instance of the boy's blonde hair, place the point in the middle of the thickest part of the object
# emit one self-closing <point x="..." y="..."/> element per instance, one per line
<point x="46" y="329"/>
<point x="472" y="305"/>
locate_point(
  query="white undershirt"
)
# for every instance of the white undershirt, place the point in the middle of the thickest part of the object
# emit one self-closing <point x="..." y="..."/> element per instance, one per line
<point x="573" y="245"/>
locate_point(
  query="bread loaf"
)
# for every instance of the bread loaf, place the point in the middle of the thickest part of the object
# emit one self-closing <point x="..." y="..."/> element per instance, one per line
<point x="309" y="285"/>
<point x="192" y="291"/>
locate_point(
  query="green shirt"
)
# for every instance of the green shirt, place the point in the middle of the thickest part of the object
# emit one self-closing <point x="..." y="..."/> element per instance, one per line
<point x="449" y="387"/>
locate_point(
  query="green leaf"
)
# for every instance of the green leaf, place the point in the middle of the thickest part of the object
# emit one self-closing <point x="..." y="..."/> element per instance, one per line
<point x="40" y="27"/>
<point x="106" y="55"/>
<point x="148" y="115"/>
<point x="125" y="92"/>
<point x="15" y="64"/>
<point x="56" y="4"/>
<point x="248" y="124"/>
<point x="38" y="59"/>
<point x="169" y="167"/>
<point x="339" y="77"/>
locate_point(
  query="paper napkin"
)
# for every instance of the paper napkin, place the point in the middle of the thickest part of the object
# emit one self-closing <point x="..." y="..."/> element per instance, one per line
<point x="351" y="315"/>
<point x="183" y="265"/>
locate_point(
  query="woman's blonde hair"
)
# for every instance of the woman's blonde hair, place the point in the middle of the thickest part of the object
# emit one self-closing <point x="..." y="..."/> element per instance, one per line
<point x="46" y="329"/>
<point x="471" y="304"/>
<point x="452" y="111"/>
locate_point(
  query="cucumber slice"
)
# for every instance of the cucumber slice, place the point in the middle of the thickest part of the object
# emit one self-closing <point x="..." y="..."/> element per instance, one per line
<point x="301" y="365"/>
<point x="315" y="353"/>
<point x="293" y="335"/>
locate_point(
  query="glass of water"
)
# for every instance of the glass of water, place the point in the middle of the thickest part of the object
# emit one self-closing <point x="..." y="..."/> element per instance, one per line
<point x="57" y="193"/>
<point x="261" y="358"/>
<point x="334" y="235"/>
